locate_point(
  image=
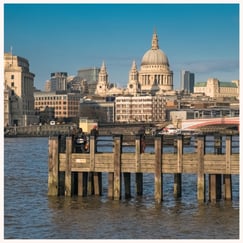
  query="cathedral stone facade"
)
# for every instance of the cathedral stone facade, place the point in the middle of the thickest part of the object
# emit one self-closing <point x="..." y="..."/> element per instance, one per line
<point x="153" y="77"/>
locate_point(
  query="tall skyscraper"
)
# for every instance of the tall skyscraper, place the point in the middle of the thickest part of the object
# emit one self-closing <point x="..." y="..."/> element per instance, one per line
<point x="187" y="81"/>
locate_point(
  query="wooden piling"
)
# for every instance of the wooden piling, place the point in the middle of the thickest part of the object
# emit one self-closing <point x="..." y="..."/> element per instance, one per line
<point x="227" y="177"/>
<point x="139" y="175"/>
<point x="110" y="184"/>
<point x="68" y="171"/>
<point x="200" y="168"/>
<point x="80" y="184"/>
<point x="97" y="183"/>
<point x="158" y="177"/>
<point x="177" y="176"/>
<point x="117" y="166"/>
<point x="212" y="187"/>
<point x="53" y="169"/>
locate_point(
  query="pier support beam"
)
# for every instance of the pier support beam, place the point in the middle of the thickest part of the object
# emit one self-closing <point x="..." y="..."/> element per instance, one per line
<point x="177" y="176"/>
<point x="139" y="175"/>
<point x="53" y="167"/>
<point x="68" y="173"/>
<point x="200" y="169"/>
<point x="110" y="184"/>
<point x="158" y="177"/>
<point x="97" y="183"/>
<point x="227" y="177"/>
<point x="82" y="183"/>
<point x="117" y="166"/>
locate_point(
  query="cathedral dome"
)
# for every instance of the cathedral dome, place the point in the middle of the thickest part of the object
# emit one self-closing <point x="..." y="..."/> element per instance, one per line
<point x="155" y="56"/>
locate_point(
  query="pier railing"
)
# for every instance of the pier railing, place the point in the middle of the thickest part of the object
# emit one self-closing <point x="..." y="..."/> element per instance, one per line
<point x="80" y="173"/>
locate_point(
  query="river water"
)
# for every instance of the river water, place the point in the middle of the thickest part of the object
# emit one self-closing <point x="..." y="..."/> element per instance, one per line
<point x="30" y="214"/>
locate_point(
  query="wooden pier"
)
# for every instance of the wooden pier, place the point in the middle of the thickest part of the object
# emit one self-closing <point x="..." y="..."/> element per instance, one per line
<point x="72" y="173"/>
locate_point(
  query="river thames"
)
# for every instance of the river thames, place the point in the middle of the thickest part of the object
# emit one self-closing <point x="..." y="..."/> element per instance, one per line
<point x="30" y="214"/>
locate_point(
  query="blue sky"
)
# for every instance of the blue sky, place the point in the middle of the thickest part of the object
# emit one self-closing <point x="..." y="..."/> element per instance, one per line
<point x="201" y="38"/>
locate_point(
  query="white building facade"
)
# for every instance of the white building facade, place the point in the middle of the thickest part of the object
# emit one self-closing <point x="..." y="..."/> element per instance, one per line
<point x="140" y="108"/>
<point x="19" y="82"/>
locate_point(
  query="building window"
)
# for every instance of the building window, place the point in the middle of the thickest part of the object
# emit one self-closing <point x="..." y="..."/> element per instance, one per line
<point x="12" y="76"/>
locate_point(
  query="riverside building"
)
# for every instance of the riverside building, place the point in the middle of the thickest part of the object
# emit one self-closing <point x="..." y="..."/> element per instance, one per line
<point x="146" y="108"/>
<point x="66" y="105"/>
<point x="216" y="89"/>
<point x="18" y="91"/>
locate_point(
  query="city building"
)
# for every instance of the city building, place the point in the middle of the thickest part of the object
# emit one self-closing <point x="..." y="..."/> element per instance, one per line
<point x="215" y="88"/>
<point x="102" y="109"/>
<point x="90" y="77"/>
<point x="18" y="94"/>
<point x="75" y="84"/>
<point x="66" y="105"/>
<point x="57" y="82"/>
<point x="141" y="108"/>
<point x="187" y="81"/>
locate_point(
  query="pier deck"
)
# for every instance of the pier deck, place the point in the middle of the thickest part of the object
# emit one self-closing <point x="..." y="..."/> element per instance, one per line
<point x="87" y="167"/>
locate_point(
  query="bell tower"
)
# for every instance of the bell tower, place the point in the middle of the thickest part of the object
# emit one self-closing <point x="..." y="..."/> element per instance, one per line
<point x="102" y="85"/>
<point x="133" y="85"/>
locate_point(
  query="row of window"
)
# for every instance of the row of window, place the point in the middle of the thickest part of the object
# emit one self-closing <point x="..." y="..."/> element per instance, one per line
<point x="51" y="98"/>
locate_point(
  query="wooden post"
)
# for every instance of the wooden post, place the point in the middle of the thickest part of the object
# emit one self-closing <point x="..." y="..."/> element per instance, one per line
<point x="218" y="150"/>
<point x="53" y="167"/>
<point x="200" y="169"/>
<point x="158" y="185"/>
<point x="212" y="187"/>
<point x="215" y="179"/>
<point x="80" y="184"/>
<point x="68" y="173"/>
<point x="97" y="183"/>
<point x="91" y="181"/>
<point x="177" y="176"/>
<point x="227" y="177"/>
<point x="110" y="184"/>
<point x="90" y="186"/>
<point x="139" y="175"/>
<point x="117" y="166"/>
<point x="92" y="152"/>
